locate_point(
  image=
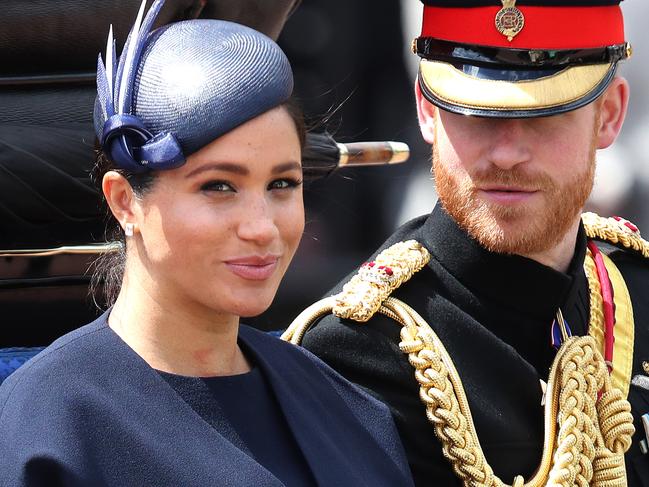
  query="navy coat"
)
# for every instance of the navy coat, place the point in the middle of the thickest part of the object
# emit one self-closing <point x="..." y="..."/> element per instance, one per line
<point x="89" y="411"/>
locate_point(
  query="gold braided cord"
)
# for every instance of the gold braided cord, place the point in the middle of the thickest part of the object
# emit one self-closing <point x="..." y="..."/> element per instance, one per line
<point x="362" y="296"/>
<point x="591" y="435"/>
<point x="615" y="232"/>
<point x="588" y="423"/>
<point x="301" y="324"/>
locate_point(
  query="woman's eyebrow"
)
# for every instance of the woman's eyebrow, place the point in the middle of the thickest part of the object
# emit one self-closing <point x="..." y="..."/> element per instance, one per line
<point x="220" y="166"/>
<point x="241" y="170"/>
<point x="287" y="166"/>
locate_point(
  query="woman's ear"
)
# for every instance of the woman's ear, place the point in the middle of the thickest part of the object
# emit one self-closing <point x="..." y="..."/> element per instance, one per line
<point x="426" y="114"/>
<point x="613" y="106"/>
<point x="120" y="198"/>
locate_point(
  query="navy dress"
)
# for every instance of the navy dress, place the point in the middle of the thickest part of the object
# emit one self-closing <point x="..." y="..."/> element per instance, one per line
<point x="245" y="411"/>
<point x="89" y="411"/>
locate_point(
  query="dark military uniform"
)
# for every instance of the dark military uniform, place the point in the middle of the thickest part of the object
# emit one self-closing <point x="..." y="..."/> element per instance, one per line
<point x="493" y="313"/>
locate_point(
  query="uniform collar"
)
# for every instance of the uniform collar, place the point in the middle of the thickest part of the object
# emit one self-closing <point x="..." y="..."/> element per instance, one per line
<point x="511" y="280"/>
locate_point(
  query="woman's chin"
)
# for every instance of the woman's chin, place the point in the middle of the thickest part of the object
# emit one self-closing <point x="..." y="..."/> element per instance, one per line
<point x="252" y="314"/>
<point x="253" y="307"/>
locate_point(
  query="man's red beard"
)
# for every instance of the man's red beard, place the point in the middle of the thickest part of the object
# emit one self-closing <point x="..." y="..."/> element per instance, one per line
<point x="515" y="229"/>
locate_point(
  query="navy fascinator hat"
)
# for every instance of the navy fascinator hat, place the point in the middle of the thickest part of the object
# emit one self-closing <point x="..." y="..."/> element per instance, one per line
<point x="178" y="88"/>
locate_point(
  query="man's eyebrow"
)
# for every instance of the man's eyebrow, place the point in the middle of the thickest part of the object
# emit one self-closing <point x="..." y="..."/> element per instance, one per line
<point x="220" y="166"/>
<point x="286" y="166"/>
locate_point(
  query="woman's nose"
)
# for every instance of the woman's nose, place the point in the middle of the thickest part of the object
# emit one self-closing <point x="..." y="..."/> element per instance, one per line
<point x="257" y="224"/>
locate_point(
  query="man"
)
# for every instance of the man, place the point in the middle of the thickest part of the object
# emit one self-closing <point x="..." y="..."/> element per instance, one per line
<point x="515" y="99"/>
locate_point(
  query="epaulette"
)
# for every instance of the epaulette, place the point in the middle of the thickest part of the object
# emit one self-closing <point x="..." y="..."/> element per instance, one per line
<point x="362" y="296"/>
<point x="615" y="231"/>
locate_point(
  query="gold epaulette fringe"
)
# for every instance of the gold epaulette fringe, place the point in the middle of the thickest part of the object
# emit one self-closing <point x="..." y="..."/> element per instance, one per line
<point x="616" y="231"/>
<point x="362" y="296"/>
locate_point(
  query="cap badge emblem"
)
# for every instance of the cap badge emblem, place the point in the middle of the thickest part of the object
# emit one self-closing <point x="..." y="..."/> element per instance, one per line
<point x="645" y="367"/>
<point x="509" y="20"/>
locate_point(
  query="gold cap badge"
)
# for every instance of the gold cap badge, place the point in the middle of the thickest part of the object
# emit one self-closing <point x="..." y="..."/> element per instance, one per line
<point x="509" y="20"/>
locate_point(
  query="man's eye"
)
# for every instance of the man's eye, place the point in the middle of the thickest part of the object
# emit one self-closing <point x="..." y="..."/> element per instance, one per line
<point x="219" y="186"/>
<point x="284" y="183"/>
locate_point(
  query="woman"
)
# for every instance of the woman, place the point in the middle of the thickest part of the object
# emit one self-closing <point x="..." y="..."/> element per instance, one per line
<point x="201" y="171"/>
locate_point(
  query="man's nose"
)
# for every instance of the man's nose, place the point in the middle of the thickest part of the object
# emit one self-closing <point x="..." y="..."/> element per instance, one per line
<point x="509" y="146"/>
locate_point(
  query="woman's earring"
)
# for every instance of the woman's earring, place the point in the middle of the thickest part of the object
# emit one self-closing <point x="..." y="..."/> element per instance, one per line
<point x="128" y="229"/>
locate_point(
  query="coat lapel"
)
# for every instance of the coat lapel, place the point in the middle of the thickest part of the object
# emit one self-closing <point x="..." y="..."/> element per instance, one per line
<point x="326" y="429"/>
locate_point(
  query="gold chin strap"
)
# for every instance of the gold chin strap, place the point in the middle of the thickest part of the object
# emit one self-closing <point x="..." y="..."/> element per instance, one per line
<point x="588" y="422"/>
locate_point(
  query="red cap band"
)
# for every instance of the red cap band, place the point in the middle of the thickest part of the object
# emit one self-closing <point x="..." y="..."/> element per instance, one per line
<point x="545" y="27"/>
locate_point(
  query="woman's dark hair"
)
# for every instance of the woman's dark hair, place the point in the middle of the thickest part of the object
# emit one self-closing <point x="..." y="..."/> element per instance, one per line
<point x="108" y="268"/>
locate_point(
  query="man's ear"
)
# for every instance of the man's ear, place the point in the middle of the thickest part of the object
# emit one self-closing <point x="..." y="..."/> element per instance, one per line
<point x="613" y="106"/>
<point x="426" y="115"/>
<point x="120" y="198"/>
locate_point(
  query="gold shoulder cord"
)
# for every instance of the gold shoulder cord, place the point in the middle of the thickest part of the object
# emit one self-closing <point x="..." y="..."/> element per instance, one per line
<point x="588" y="422"/>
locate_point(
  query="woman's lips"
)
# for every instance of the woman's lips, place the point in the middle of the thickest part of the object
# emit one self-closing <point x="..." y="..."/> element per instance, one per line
<point x="253" y="268"/>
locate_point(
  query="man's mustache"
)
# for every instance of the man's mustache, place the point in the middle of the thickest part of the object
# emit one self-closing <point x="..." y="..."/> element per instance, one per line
<point x="516" y="177"/>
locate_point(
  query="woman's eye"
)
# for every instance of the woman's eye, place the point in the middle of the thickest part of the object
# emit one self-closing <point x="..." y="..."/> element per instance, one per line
<point x="284" y="183"/>
<point x="219" y="186"/>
